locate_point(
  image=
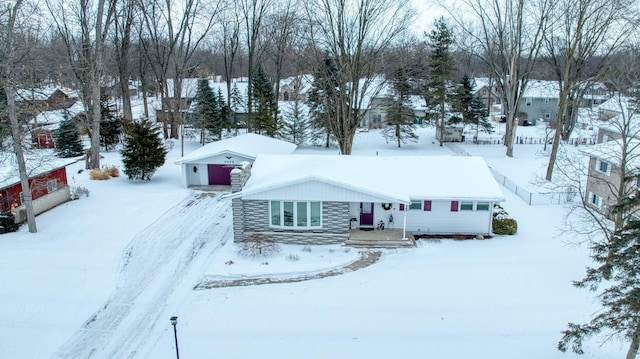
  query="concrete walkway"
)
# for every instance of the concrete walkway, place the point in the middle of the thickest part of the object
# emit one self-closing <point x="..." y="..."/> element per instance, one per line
<point x="366" y="259"/>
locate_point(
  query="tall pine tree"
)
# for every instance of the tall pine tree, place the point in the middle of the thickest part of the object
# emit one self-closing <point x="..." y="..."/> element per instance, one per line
<point x="471" y="107"/>
<point x="143" y="151"/>
<point x="618" y="275"/>
<point x="68" y="143"/>
<point x="265" y="119"/>
<point x="295" y="124"/>
<point x="441" y="72"/>
<point x="400" y="114"/>
<point x="207" y="109"/>
<point x="111" y="125"/>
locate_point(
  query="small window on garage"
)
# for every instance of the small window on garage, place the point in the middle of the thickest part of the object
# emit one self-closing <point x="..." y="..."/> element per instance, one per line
<point x="482" y="206"/>
<point x="466" y="206"/>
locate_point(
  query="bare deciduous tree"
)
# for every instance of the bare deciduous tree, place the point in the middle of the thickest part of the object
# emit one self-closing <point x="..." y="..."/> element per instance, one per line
<point x="9" y="13"/>
<point x="84" y="26"/>
<point x="355" y="35"/>
<point x="507" y="36"/>
<point x="582" y="35"/>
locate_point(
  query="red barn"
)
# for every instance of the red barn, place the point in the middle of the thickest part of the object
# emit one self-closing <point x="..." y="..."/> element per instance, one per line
<point x="48" y="184"/>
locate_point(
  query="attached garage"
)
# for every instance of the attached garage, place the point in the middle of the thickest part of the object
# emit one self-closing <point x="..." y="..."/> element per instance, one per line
<point x="211" y="164"/>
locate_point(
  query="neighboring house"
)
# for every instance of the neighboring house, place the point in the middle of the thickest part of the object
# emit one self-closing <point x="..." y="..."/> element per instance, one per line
<point x="47" y="180"/>
<point x="451" y="134"/>
<point x="604" y="173"/>
<point x="44" y="126"/>
<point x="615" y="106"/>
<point x="321" y="199"/>
<point x="539" y="101"/>
<point x="295" y="88"/>
<point x="212" y="163"/>
<point x="190" y="89"/>
<point x="31" y="102"/>
<point x="486" y="89"/>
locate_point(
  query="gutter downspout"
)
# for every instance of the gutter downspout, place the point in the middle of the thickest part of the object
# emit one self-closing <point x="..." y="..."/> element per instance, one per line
<point x="404" y="223"/>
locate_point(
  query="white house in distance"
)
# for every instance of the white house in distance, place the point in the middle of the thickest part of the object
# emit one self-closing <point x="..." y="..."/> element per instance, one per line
<point x="322" y="199"/>
<point x="212" y="163"/>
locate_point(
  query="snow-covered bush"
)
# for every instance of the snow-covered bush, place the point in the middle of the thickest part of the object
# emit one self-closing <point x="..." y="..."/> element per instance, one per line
<point x="78" y="191"/>
<point x="502" y="223"/>
<point x="259" y="245"/>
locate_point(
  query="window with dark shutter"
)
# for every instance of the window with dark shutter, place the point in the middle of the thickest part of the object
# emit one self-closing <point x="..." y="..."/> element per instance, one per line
<point x="454" y="206"/>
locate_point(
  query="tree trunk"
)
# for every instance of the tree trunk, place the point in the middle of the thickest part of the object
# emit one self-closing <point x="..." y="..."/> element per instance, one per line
<point x="22" y="168"/>
<point x="635" y="343"/>
<point x="94" y="161"/>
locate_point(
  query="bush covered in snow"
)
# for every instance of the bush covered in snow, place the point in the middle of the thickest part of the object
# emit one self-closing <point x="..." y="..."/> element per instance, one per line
<point x="502" y="223"/>
<point x="259" y="246"/>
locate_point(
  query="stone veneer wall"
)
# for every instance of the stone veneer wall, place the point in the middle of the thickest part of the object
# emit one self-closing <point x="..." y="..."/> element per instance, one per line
<point x="239" y="177"/>
<point x="335" y="224"/>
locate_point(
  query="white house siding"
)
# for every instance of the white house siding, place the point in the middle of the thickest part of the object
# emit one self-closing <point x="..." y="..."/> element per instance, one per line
<point x="440" y="220"/>
<point x="335" y="225"/>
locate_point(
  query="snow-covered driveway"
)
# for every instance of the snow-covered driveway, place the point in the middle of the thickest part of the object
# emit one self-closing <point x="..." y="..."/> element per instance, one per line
<point x="168" y="254"/>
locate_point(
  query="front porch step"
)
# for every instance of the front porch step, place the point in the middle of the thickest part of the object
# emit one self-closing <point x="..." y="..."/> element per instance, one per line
<point x="364" y="243"/>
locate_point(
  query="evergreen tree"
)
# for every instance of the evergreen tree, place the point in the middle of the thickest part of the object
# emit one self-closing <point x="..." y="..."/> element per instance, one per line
<point x="400" y="114"/>
<point x="471" y="107"/>
<point x="143" y="151"/>
<point x="208" y="113"/>
<point x="223" y="115"/>
<point x="111" y="124"/>
<point x="295" y="124"/>
<point x="441" y="71"/>
<point x="265" y="119"/>
<point x="619" y="261"/>
<point x="68" y="143"/>
<point x="322" y="98"/>
<point x="237" y="102"/>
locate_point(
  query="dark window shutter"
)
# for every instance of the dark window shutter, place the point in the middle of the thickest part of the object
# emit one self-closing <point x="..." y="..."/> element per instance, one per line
<point x="402" y="206"/>
<point x="427" y="206"/>
<point x="454" y="206"/>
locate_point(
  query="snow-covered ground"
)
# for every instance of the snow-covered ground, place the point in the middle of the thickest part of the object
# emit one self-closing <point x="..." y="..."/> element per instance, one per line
<point x="105" y="273"/>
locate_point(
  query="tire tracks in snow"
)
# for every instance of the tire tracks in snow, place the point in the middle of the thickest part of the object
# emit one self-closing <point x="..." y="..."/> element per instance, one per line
<point x="153" y="265"/>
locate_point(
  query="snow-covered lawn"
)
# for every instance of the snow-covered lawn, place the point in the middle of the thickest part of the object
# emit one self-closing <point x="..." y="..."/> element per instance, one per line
<point x="104" y="274"/>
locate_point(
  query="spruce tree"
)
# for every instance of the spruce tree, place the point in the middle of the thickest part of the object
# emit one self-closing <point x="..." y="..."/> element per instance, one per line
<point x="400" y="114"/>
<point x="68" y="143"/>
<point x="143" y="151"/>
<point x="618" y="275"/>
<point x="207" y="109"/>
<point x="471" y="107"/>
<point x="265" y="119"/>
<point x="111" y="124"/>
<point x="295" y="124"/>
<point x="441" y="71"/>
<point x="237" y="102"/>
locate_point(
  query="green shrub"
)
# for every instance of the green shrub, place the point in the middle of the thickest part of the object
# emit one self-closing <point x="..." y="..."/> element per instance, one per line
<point x="505" y="226"/>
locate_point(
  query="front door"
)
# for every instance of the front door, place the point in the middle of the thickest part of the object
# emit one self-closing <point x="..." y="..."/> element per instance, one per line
<point x="366" y="214"/>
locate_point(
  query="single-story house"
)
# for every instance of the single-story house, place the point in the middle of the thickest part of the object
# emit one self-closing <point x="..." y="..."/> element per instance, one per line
<point x="322" y="198"/>
<point x="47" y="180"/>
<point x="212" y="163"/>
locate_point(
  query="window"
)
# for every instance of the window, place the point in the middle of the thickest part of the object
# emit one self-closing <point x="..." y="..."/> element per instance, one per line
<point x="427" y="205"/>
<point x="415" y="205"/>
<point x="546" y="100"/>
<point x="528" y="101"/>
<point x="482" y="206"/>
<point x="21" y="198"/>
<point x="52" y="185"/>
<point x="296" y="214"/>
<point x="603" y="166"/>
<point x="401" y="206"/>
<point x="454" y="206"/>
<point x="594" y="199"/>
<point x="547" y="116"/>
<point x="285" y="96"/>
<point x="466" y="206"/>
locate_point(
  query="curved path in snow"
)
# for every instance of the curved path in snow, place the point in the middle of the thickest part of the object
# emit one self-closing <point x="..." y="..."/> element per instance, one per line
<point x="153" y="266"/>
<point x="366" y="259"/>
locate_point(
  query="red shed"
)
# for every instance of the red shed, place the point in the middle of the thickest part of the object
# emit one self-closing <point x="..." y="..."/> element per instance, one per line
<point x="48" y="183"/>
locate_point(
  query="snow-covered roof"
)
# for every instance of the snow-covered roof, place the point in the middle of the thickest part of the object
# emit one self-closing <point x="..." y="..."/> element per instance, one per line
<point x="38" y="162"/>
<point x="618" y="103"/>
<point x="541" y="89"/>
<point x="400" y="178"/>
<point x="611" y="151"/>
<point x="248" y="145"/>
<point x="43" y="93"/>
<point x="306" y="82"/>
<point x="54" y="117"/>
<point x="190" y="89"/>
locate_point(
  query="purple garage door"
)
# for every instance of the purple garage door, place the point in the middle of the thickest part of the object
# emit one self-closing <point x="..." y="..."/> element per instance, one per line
<point x="219" y="174"/>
